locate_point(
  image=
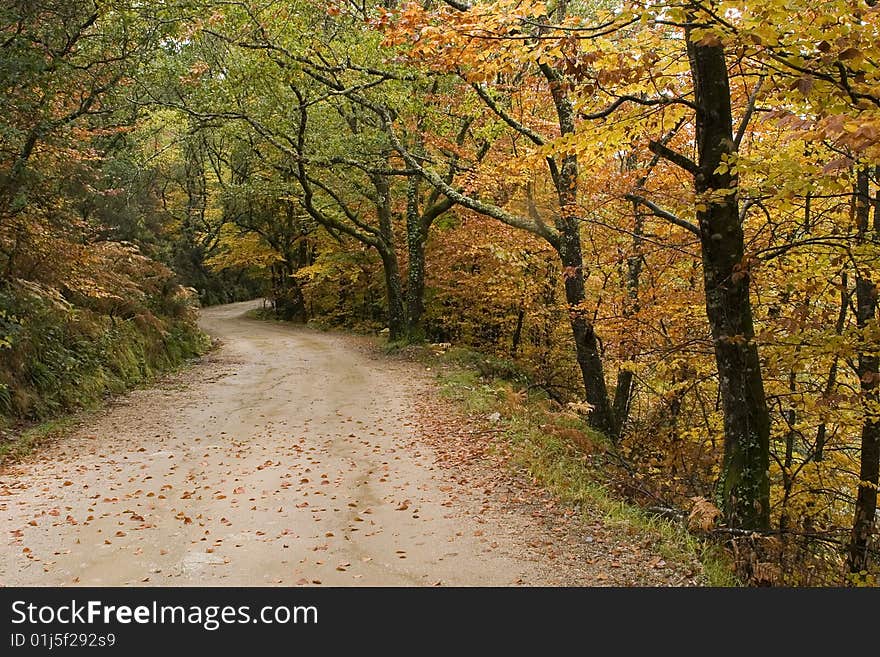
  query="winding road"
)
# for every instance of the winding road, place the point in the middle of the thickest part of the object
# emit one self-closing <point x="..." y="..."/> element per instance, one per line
<point x="286" y="457"/>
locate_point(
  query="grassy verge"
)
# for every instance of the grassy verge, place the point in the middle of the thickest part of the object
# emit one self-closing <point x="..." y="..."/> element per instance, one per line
<point x="17" y="443"/>
<point x="263" y="315"/>
<point x="30" y="439"/>
<point x="120" y="360"/>
<point x="555" y="449"/>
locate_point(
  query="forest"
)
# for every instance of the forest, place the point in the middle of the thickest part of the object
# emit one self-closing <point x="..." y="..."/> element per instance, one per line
<point x="662" y="215"/>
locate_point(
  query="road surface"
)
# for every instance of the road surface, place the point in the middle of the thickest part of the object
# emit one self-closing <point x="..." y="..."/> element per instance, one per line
<point x="288" y="457"/>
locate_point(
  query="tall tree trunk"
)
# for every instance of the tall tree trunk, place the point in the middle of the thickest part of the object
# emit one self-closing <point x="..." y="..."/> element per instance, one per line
<point x="393" y="294"/>
<point x="585" y="340"/>
<point x="517" y="331"/>
<point x="565" y="178"/>
<point x="416" y="236"/>
<point x="831" y="381"/>
<point x="625" y="377"/>
<point x="745" y="482"/>
<point x="290" y="303"/>
<point x="869" y="469"/>
<point x="396" y="307"/>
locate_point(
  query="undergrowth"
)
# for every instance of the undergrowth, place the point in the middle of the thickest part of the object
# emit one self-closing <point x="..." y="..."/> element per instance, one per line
<point x="563" y="454"/>
<point x="57" y="359"/>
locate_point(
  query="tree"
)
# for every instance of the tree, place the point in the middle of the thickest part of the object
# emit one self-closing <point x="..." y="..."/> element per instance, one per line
<point x="564" y="234"/>
<point x="869" y="377"/>
<point x="745" y="483"/>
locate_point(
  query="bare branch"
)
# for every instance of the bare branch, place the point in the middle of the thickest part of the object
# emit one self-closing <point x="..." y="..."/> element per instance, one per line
<point x="663" y="214"/>
<point x="750" y="110"/>
<point x="504" y="116"/>
<point x="661" y="149"/>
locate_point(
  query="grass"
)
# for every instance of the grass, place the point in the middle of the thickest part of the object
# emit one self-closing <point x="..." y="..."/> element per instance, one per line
<point x="264" y="315"/>
<point x="554" y="460"/>
<point x="24" y="442"/>
<point x="32" y="438"/>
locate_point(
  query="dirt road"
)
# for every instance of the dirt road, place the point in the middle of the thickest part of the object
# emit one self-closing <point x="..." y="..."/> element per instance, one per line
<point x="289" y="457"/>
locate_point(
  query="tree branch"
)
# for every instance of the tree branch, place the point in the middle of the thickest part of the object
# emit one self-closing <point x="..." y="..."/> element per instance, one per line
<point x="750" y="110"/>
<point x="504" y="116"/>
<point x="663" y="214"/>
<point x="661" y="149"/>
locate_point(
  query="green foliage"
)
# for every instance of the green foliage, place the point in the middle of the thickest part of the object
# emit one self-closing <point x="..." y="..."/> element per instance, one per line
<point x="64" y="358"/>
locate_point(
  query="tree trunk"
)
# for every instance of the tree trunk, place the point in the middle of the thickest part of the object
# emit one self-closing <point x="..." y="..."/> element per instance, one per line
<point x="290" y="304"/>
<point x="831" y="382"/>
<point x="396" y="306"/>
<point x="517" y="332"/>
<point x="745" y="482"/>
<point x="869" y="469"/>
<point x="416" y="236"/>
<point x="625" y="378"/>
<point x="585" y="341"/>
<point x="622" y="397"/>
<point x="565" y="178"/>
<point x="393" y="294"/>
